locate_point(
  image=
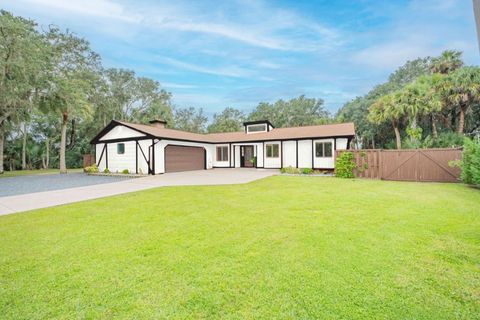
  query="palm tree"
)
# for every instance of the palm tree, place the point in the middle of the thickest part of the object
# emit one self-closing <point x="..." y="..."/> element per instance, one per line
<point x="447" y="62"/>
<point x="388" y="108"/>
<point x="461" y="89"/>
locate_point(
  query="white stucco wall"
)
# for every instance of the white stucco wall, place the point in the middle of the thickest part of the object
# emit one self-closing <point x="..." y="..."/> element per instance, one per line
<point x="289" y="153"/>
<point x="222" y="164"/>
<point x="119" y="162"/>
<point x="160" y="152"/>
<point x="273" y="162"/>
<point x="257" y="152"/>
<point x="120" y="132"/>
<point x="342" y="143"/>
<point x="304" y="153"/>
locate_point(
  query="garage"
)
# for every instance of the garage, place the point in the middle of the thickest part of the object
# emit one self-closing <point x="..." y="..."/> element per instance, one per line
<point x="183" y="158"/>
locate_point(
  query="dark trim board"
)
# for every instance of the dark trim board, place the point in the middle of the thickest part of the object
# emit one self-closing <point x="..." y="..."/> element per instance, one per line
<point x="296" y="151"/>
<point x="114" y="123"/>
<point x="101" y="155"/>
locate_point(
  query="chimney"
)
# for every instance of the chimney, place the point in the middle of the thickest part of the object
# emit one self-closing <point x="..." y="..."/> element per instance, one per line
<point x="158" y="123"/>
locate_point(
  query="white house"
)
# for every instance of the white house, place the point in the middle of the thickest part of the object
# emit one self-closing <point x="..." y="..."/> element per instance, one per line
<point x="155" y="149"/>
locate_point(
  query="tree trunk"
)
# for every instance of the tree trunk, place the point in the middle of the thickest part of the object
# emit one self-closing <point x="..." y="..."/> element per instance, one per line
<point x="461" y="120"/>
<point x="47" y="153"/>
<point x="434" y="128"/>
<point x="63" y="142"/>
<point x="398" y="139"/>
<point x="24" y="147"/>
<point x="1" y="147"/>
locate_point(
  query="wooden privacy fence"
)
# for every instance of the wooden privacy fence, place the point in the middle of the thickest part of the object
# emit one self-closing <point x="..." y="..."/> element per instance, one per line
<point x="406" y="165"/>
<point x="88" y="160"/>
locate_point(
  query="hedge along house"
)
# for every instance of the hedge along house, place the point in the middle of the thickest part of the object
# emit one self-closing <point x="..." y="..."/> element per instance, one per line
<point x="154" y="149"/>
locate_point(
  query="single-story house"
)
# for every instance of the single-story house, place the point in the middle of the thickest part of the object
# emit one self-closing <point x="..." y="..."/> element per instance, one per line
<point x="154" y="149"/>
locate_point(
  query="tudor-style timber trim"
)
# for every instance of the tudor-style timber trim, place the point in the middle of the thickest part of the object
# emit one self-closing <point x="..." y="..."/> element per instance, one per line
<point x="136" y="157"/>
<point x="101" y="155"/>
<point x="281" y="154"/>
<point x="106" y="155"/>
<point x="296" y="151"/>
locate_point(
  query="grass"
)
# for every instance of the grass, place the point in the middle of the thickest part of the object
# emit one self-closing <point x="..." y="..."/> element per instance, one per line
<point x="282" y="247"/>
<point x="7" y="174"/>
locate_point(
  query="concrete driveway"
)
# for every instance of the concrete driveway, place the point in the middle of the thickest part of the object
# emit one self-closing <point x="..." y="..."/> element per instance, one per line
<point x="23" y="202"/>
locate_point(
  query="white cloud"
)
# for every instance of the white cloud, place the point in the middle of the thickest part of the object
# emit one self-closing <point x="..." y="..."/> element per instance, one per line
<point x="231" y="71"/>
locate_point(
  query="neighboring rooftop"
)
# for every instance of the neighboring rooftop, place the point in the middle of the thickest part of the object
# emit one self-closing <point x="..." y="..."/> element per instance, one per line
<point x="319" y="131"/>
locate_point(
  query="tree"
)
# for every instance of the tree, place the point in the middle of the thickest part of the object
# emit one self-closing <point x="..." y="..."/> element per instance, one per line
<point x="447" y="62"/>
<point x="190" y="119"/>
<point x="230" y="120"/>
<point x="296" y="112"/>
<point x="71" y="81"/>
<point x="23" y="56"/>
<point x="388" y="109"/>
<point x="461" y="90"/>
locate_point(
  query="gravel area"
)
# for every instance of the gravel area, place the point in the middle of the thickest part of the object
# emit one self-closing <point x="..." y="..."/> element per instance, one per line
<point x="46" y="182"/>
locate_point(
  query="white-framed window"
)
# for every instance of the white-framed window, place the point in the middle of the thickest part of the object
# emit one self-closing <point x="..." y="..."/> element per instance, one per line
<point x="222" y="153"/>
<point x="257" y="128"/>
<point x="272" y="150"/>
<point x="120" y="148"/>
<point x="323" y="149"/>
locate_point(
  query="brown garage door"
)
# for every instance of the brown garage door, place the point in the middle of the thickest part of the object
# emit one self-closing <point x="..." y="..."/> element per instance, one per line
<point x="179" y="158"/>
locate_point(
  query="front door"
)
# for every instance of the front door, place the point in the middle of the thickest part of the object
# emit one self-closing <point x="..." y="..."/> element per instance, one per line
<point x="247" y="157"/>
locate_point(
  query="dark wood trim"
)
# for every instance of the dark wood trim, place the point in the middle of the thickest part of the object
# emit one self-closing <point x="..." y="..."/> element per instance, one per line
<point x="296" y="151"/>
<point x="127" y="139"/>
<point x="247" y="123"/>
<point x="101" y="155"/>
<point x="234" y="158"/>
<point x="106" y="155"/>
<point x="263" y="153"/>
<point x="281" y="154"/>
<point x="313" y="154"/>
<point x="255" y="155"/>
<point x="229" y="154"/>
<point x="153" y="156"/>
<point x="136" y="157"/>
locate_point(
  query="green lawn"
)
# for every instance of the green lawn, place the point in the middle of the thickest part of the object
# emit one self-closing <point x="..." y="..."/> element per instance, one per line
<point x="282" y="247"/>
<point x="15" y="173"/>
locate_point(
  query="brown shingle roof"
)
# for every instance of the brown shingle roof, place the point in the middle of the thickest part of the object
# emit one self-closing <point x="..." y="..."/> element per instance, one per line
<point x="329" y="130"/>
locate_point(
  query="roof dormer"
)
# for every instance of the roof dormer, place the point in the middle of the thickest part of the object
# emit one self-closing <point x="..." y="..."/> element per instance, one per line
<point x="258" y="126"/>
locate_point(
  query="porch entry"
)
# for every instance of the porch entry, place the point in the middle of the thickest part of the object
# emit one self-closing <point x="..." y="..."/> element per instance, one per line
<point x="247" y="157"/>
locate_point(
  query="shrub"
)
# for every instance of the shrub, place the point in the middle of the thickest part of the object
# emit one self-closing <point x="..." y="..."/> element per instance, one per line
<point x="344" y="165"/>
<point x="470" y="163"/>
<point x="91" y="169"/>
<point x="125" y="171"/>
<point x="307" y="170"/>
<point x="290" y="170"/>
<point x="106" y="170"/>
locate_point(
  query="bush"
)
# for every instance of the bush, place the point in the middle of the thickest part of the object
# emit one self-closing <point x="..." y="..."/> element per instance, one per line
<point x="106" y="170"/>
<point x="307" y="170"/>
<point x="91" y="169"/>
<point x="470" y="163"/>
<point x="344" y="165"/>
<point x="290" y="170"/>
<point x="125" y="171"/>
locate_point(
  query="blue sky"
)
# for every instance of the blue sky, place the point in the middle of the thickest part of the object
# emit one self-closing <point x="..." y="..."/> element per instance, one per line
<point x="215" y="54"/>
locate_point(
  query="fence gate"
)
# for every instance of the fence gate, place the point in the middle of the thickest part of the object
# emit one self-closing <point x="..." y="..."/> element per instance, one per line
<point x="407" y="165"/>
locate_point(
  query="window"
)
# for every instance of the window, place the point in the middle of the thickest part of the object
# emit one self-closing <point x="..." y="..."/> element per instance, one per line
<point x="222" y="153"/>
<point x="120" y="148"/>
<point x="272" y="150"/>
<point x="323" y="149"/>
<point x="257" y="128"/>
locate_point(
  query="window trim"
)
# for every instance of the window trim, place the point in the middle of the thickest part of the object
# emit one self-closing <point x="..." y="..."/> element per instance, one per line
<point x="265" y="127"/>
<point x="271" y="145"/>
<point x="223" y="152"/>
<point x="322" y="149"/>
<point x="122" y="147"/>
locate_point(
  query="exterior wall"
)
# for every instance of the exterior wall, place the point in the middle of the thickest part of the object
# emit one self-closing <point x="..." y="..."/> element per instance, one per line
<point x="119" y="162"/>
<point x="222" y="164"/>
<point x="342" y="143"/>
<point x="160" y="152"/>
<point x="273" y="162"/>
<point x="120" y="132"/>
<point x="257" y="151"/>
<point x="305" y="153"/>
<point x="289" y="153"/>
